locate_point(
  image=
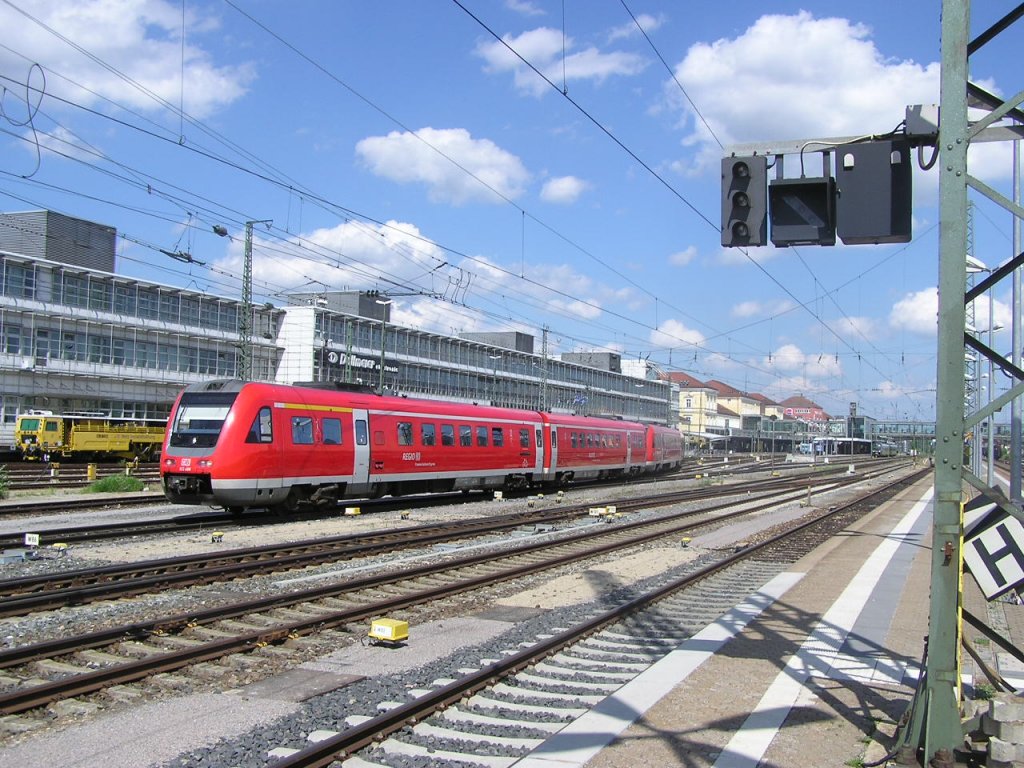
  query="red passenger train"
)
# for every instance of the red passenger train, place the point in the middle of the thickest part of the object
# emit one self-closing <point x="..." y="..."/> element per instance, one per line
<point x="270" y="445"/>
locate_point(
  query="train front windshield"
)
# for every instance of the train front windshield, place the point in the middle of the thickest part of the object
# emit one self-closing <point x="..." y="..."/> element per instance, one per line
<point x="199" y="419"/>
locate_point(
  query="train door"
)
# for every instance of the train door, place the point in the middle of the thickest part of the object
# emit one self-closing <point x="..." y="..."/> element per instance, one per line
<point x="361" y="430"/>
<point x="538" y="461"/>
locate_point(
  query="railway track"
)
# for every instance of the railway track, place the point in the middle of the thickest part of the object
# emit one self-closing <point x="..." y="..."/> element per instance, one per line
<point x="172" y="643"/>
<point x="505" y="707"/>
<point x="19" y="596"/>
<point x="208" y="520"/>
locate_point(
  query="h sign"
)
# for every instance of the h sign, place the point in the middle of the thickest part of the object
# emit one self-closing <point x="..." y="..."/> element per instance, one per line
<point x="995" y="552"/>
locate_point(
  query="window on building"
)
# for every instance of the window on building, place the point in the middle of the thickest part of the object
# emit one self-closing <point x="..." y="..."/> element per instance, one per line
<point x="100" y="295"/>
<point x="125" y="299"/>
<point x="149" y="303"/>
<point x="75" y="290"/>
<point x="19" y="280"/>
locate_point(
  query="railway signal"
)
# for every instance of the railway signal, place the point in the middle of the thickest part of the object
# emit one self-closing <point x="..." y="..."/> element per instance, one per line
<point x="744" y="201"/>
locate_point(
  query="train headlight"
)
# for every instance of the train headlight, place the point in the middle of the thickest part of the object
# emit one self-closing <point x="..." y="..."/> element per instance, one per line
<point x="206" y="463"/>
<point x="168" y="462"/>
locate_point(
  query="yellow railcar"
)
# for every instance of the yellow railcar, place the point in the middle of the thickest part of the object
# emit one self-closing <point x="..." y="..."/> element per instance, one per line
<point x="38" y="436"/>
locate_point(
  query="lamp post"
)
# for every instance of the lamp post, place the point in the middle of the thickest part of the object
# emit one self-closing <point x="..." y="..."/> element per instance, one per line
<point x="383" y="335"/>
<point x="772" y="419"/>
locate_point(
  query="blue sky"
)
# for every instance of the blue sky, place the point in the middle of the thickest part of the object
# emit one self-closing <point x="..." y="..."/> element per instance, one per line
<point x="403" y="147"/>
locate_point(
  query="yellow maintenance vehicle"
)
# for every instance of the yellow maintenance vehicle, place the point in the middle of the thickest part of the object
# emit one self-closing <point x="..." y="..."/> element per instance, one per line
<point x="47" y="436"/>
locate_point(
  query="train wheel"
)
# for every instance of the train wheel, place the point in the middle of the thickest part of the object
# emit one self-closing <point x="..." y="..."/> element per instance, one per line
<point x="236" y="511"/>
<point x="288" y="506"/>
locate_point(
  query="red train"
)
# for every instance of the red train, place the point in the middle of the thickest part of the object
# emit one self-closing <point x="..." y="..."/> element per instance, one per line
<point x="269" y="445"/>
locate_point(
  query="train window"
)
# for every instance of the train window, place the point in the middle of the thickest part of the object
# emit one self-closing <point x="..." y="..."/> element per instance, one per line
<point x="428" y="434"/>
<point x="540" y="438"/>
<point x="302" y="430"/>
<point x="50" y="426"/>
<point x="524" y="438"/>
<point x="465" y="435"/>
<point x="405" y="433"/>
<point x="262" y="429"/>
<point x="572" y="439"/>
<point x="481" y="437"/>
<point x="332" y="431"/>
<point x="497" y="437"/>
<point x="361" y="436"/>
<point x="447" y="434"/>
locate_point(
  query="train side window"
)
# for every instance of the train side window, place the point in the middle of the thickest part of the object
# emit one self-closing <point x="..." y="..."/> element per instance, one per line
<point x="50" y="426"/>
<point x="428" y="434"/>
<point x="497" y="437"/>
<point x="361" y="433"/>
<point x="481" y="437"/>
<point x="302" y="430"/>
<point x="572" y="439"/>
<point x="524" y="438"/>
<point x="332" y="431"/>
<point x="405" y="433"/>
<point x="262" y="429"/>
<point x="540" y="438"/>
<point x="465" y="435"/>
<point x="447" y="434"/>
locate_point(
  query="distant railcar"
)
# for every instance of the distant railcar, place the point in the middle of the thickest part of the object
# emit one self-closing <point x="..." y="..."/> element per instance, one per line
<point x="87" y="437"/>
<point x="269" y="445"/>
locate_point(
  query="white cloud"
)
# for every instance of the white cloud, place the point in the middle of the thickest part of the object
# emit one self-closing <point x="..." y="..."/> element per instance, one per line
<point x="764" y="308"/>
<point x="834" y="83"/>
<point x="684" y="257"/>
<point x="336" y="258"/>
<point x="673" y="334"/>
<point x="142" y="39"/>
<point x="790" y="358"/>
<point x="564" y="189"/>
<point x="430" y="155"/>
<point x="524" y="7"/>
<point x="917" y="312"/>
<point x="543" y="48"/>
<point x="860" y="327"/>
<point x="647" y="22"/>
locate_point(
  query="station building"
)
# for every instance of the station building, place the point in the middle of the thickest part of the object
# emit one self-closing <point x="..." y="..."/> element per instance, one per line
<point x="78" y="338"/>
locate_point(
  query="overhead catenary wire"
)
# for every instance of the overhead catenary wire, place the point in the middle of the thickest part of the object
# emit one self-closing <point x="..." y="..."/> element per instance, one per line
<point x="331" y="206"/>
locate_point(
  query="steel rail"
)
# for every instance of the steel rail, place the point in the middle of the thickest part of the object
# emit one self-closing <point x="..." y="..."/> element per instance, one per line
<point x="29" y="698"/>
<point x="326" y="752"/>
<point x="66" y="588"/>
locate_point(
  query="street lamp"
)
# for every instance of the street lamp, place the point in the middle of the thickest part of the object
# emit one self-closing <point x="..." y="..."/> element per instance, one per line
<point x="772" y="419"/>
<point x="383" y="334"/>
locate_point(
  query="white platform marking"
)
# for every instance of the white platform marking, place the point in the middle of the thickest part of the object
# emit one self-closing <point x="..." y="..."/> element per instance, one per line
<point x="818" y="655"/>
